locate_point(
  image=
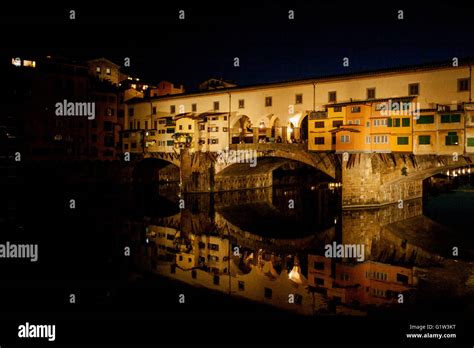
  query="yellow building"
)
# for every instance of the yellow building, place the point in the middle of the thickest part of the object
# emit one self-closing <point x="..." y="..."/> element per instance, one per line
<point x="425" y="132"/>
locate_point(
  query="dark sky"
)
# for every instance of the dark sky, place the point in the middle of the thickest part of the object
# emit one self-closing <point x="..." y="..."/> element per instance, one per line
<point x="269" y="45"/>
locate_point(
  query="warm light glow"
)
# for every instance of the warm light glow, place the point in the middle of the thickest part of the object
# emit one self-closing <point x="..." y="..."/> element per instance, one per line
<point x="16" y="61"/>
<point x="295" y="275"/>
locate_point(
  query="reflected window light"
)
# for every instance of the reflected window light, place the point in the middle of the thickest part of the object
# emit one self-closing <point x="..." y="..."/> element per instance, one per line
<point x="16" y="61"/>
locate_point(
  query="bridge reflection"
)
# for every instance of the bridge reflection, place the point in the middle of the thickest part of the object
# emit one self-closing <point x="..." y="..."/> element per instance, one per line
<point x="214" y="245"/>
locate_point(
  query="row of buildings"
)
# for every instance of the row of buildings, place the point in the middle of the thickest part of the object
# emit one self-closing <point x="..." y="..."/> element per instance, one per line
<point x="343" y="113"/>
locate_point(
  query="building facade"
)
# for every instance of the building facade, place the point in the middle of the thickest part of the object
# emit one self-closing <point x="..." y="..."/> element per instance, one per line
<point x="346" y="113"/>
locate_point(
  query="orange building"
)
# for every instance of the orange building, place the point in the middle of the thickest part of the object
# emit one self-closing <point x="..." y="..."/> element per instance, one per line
<point x="367" y="283"/>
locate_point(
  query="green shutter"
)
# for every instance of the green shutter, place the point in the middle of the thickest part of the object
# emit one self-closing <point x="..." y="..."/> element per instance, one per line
<point x="445" y="118"/>
<point x="470" y="141"/>
<point x="402" y="140"/>
<point x="424" y="140"/>
<point x="389" y="122"/>
<point x="426" y="119"/>
<point x="405" y="122"/>
<point x="456" y="118"/>
<point x="397" y="122"/>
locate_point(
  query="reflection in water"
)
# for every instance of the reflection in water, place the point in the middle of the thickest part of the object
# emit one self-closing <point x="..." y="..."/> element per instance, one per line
<point x="251" y="244"/>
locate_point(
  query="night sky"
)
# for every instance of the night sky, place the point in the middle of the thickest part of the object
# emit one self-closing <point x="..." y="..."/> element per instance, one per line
<point x="269" y="45"/>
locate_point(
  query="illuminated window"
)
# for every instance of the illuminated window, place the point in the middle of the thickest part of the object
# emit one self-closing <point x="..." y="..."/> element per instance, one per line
<point x="345" y="138"/>
<point x="16" y="61"/>
<point x="108" y="71"/>
<point x="332" y="97"/>
<point x="241" y="103"/>
<point x="29" y="63"/>
<point x="97" y="69"/>
<point x="355" y="109"/>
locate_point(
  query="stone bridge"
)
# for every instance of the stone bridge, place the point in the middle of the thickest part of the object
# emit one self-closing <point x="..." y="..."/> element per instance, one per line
<point x="368" y="179"/>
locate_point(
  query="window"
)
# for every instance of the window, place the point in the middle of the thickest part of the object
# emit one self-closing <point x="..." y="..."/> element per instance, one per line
<point x="268" y="101"/>
<point x="241" y="103"/>
<point x="332" y="97"/>
<point x="367" y="124"/>
<point x="336" y="123"/>
<point x="193" y="274"/>
<point x="97" y="69"/>
<point x="189" y="127"/>
<point x="350" y="122"/>
<point x="451" y="118"/>
<point x="425" y="119"/>
<point x="193" y="107"/>
<point x="108" y="71"/>
<point x="202" y="127"/>
<point x="367" y="139"/>
<point x="224" y="129"/>
<point x="319" y="281"/>
<point x="268" y="293"/>
<point x="319" y="266"/>
<point x="173" y="109"/>
<point x="214" y="141"/>
<point x="319" y="141"/>
<point x="355" y="109"/>
<point x="402" y="278"/>
<point x="134" y="145"/>
<point x="180" y="127"/>
<point x="216" y="105"/>
<point x="452" y="138"/>
<point x="337" y="108"/>
<point x="298" y="299"/>
<point x="138" y="124"/>
<point x="319" y="124"/>
<point x="370" y="93"/>
<point x="131" y="125"/>
<point x="345" y="138"/>
<point x="155" y="125"/>
<point x="357" y="121"/>
<point x="402" y="140"/>
<point x="169" y="130"/>
<point x="216" y="280"/>
<point x="241" y="285"/>
<point x="169" y="143"/>
<point x="146" y="124"/>
<point x="414" y="89"/>
<point x="299" y="99"/>
<point x="463" y="85"/>
<point x="131" y="112"/>
<point x="107" y="126"/>
<point x="389" y="122"/>
<point x="424" y="139"/>
<point x="120" y="113"/>
<point x="212" y="246"/>
<point x="470" y="141"/>
<point x="153" y="110"/>
<point x="405" y="122"/>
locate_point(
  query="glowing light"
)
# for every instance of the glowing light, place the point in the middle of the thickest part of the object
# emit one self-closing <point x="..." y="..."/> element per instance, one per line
<point x="16" y="61"/>
<point x="295" y="275"/>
